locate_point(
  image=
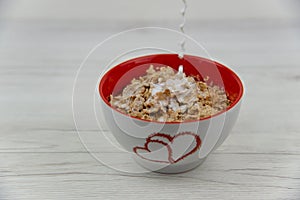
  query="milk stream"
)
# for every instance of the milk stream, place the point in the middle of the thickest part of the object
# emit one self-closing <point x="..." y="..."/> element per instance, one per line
<point x="181" y="26"/>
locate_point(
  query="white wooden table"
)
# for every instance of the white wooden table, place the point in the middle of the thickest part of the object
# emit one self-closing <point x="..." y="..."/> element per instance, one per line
<point x="41" y="156"/>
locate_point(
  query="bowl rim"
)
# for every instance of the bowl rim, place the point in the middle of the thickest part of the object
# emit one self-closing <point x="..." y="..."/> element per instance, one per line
<point x="230" y="107"/>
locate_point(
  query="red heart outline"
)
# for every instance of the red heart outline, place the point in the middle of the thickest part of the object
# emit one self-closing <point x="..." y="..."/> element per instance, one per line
<point x="170" y="140"/>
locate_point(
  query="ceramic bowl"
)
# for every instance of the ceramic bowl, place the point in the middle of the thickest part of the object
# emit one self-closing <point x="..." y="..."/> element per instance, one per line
<point x="170" y="147"/>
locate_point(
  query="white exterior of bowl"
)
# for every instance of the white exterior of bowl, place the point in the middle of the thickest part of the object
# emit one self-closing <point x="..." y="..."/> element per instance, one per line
<point x="133" y="133"/>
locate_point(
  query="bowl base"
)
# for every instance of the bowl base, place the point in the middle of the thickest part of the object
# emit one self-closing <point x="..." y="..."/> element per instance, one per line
<point x="171" y="169"/>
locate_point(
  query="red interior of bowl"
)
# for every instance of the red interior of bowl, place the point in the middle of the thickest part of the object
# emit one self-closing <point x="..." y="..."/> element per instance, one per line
<point x="121" y="75"/>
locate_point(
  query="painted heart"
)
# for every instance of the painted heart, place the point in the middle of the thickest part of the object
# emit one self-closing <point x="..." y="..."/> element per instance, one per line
<point x="164" y="148"/>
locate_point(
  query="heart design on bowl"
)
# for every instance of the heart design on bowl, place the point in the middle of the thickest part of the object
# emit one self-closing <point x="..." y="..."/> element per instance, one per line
<point x="164" y="148"/>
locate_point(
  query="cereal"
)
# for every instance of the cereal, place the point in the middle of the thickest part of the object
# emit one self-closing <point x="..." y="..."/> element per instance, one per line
<point x="165" y="96"/>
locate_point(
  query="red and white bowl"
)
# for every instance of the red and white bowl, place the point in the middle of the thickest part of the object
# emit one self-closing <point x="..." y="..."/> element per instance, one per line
<point x="170" y="147"/>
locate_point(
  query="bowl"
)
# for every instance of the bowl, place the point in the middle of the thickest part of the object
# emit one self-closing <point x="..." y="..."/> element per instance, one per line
<point x="170" y="147"/>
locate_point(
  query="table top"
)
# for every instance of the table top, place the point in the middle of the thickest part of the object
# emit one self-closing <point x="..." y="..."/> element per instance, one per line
<point x="42" y="156"/>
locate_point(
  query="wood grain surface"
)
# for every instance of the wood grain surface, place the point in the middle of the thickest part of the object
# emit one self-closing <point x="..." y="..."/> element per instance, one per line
<point x="42" y="157"/>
